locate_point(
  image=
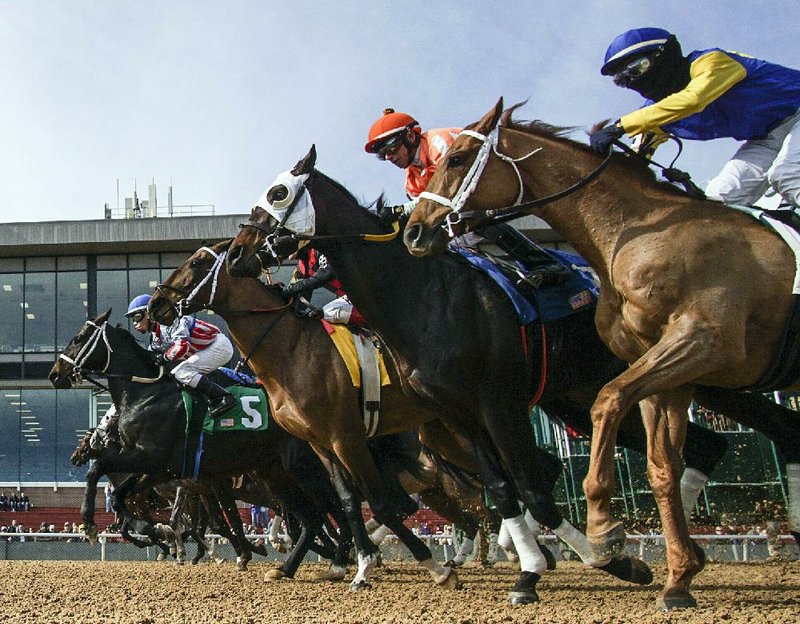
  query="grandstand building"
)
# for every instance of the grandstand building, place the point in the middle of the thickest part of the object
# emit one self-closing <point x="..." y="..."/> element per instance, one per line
<point x="53" y="276"/>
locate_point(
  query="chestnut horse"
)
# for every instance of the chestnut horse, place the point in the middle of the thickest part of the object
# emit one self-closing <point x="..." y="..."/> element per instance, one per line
<point x="313" y="397"/>
<point x="691" y="293"/>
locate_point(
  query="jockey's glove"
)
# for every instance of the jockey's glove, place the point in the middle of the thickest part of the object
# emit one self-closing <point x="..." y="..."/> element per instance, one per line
<point x="159" y="359"/>
<point x="601" y="140"/>
<point x="390" y="214"/>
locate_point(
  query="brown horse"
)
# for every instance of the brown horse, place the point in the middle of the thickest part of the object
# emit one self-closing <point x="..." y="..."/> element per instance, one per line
<point x="311" y="393"/>
<point x="692" y="292"/>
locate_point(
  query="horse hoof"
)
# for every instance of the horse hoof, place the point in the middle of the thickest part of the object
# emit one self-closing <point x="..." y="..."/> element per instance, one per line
<point x="450" y="564"/>
<point x="629" y="569"/>
<point x="523" y="597"/>
<point x="331" y="574"/>
<point x="609" y="544"/>
<point x="91" y="534"/>
<point x="796" y="536"/>
<point x="451" y="582"/>
<point x="359" y="586"/>
<point x="276" y="574"/>
<point x="670" y="603"/>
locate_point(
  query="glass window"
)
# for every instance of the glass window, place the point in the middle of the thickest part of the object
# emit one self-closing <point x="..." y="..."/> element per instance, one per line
<point x="12" y="313"/>
<point x="142" y="261"/>
<point x="9" y="440"/>
<point x="72" y="421"/>
<point x="112" y="292"/>
<point x="40" y="264"/>
<point x="72" y="301"/>
<point x="39" y="312"/>
<point x="112" y="262"/>
<point x="172" y="261"/>
<point x="11" y="265"/>
<point x="37" y="434"/>
<point x="72" y="263"/>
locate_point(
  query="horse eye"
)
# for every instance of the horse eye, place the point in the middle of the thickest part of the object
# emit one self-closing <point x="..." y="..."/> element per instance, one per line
<point x="456" y="160"/>
<point x="277" y="193"/>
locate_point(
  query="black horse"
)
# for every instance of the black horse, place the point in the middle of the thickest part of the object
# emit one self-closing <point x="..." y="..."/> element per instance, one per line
<point x="152" y="423"/>
<point x="457" y="340"/>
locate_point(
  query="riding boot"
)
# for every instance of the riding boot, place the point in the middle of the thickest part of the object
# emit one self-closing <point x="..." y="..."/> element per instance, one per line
<point x="219" y="399"/>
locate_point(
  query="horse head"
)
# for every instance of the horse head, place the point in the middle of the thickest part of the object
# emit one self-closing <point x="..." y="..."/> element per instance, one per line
<point x="435" y="219"/>
<point x="302" y="206"/>
<point x="84" y="451"/>
<point x="193" y="286"/>
<point x="88" y="350"/>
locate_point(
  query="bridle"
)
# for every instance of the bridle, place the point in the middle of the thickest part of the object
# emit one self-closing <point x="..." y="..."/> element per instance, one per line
<point x="281" y="234"/>
<point x="489" y="146"/>
<point x="183" y="305"/>
<point x="78" y="362"/>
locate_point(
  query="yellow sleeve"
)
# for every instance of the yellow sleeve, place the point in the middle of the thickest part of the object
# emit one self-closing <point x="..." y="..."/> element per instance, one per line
<point x="711" y="75"/>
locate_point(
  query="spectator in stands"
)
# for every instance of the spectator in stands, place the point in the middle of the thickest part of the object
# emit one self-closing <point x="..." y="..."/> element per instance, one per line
<point x="107" y="490"/>
<point x="3" y="501"/>
<point x="14" y="501"/>
<point x="24" y="502"/>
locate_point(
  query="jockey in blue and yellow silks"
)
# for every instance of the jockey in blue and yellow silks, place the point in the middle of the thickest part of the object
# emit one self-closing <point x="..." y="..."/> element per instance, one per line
<point x="712" y="94"/>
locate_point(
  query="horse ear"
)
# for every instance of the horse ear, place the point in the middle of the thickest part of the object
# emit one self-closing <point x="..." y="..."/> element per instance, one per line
<point x="103" y="317"/>
<point x="306" y="164"/>
<point x="490" y="119"/>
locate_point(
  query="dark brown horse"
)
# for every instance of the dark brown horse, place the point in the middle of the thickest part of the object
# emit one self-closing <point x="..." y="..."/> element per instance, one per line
<point x="313" y="397"/>
<point x="459" y="346"/>
<point x="693" y="293"/>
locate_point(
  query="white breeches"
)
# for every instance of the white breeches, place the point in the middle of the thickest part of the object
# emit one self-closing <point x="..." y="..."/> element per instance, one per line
<point x="338" y="310"/>
<point x="216" y="354"/>
<point x="760" y="163"/>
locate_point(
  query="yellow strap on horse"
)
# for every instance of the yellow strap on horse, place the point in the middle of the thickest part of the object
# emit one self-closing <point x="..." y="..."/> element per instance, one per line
<point x="382" y="238"/>
<point x="343" y="339"/>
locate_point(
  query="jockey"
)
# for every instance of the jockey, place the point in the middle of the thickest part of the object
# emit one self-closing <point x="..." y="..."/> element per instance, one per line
<point x="199" y="346"/>
<point x="312" y="272"/>
<point x="397" y="137"/>
<point x="711" y="94"/>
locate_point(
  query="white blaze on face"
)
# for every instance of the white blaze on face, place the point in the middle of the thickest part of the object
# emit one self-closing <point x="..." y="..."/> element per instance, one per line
<point x="301" y="218"/>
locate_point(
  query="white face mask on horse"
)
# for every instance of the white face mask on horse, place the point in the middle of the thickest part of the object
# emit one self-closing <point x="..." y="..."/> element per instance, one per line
<point x="295" y="212"/>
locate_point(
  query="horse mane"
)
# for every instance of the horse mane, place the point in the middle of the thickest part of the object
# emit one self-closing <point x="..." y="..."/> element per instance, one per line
<point x="377" y="204"/>
<point x="637" y="167"/>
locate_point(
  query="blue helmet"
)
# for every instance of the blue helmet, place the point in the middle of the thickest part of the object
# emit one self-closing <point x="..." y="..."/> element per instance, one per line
<point x="632" y="43"/>
<point x="138" y="304"/>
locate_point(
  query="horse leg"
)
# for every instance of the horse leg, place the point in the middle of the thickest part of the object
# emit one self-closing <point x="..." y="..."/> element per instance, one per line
<point x="360" y="466"/>
<point x="664" y="419"/>
<point x="88" y="505"/>
<point x="438" y="500"/>
<point x="231" y="515"/>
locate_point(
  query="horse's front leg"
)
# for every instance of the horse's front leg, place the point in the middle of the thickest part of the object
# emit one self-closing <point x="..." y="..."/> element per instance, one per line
<point x="89" y="495"/>
<point x="665" y="420"/>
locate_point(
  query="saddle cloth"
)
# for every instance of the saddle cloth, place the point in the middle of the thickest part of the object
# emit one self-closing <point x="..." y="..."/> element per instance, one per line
<point x="548" y="303"/>
<point x="344" y="340"/>
<point x="250" y="414"/>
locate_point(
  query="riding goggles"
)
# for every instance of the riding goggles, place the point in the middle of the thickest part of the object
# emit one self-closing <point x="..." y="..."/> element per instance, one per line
<point x="138" y="316"/>
<point x="389" y="147"/>
<point x="633" y="71"/>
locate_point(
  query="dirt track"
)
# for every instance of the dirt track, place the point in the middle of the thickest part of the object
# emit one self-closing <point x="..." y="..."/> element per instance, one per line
<point x="156" y="593"/>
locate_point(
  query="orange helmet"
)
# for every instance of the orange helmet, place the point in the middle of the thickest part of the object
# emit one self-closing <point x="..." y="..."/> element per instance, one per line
<point x="390" y="123"/>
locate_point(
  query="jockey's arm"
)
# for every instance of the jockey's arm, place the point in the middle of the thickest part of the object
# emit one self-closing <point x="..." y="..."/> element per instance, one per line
<point x="712" y="74"/>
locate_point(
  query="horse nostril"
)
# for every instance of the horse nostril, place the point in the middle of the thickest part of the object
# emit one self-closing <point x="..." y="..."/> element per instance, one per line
<point x="412" y="234"/>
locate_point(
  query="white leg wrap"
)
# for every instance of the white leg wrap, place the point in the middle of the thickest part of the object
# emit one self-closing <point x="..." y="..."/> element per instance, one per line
<point x="504" y="537"/>
<point x="531" y="558"/>
<point x="379" y="534"/>
<point x="692" y="483"/>
<point x="371" y="525"/>
<point x="366" y="564"/>
<point x="275" y="528"/>
<point x="577" y="541"/>
<point x="467" y="545"/>
<point x="533" y="525"/>
<point x="793" y="482"/>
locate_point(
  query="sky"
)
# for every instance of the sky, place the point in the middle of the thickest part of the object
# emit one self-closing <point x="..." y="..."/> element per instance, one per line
<point x="218" y="97"/>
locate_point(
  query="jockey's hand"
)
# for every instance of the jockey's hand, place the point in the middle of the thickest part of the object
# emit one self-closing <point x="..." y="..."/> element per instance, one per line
<point x="290" y="290"/>
<point x="602" y="139"/>
<point x="159" y="359"/>
<point x="390" y="214"/>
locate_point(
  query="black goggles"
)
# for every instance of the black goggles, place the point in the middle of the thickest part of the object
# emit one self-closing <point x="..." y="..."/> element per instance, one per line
<point x="138" y="316"/>
<point x="633" y="71"/>
<point x="389" y="147"/>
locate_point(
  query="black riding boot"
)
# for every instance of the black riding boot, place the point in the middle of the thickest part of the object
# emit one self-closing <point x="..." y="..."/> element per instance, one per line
<point x="219" y="399"/>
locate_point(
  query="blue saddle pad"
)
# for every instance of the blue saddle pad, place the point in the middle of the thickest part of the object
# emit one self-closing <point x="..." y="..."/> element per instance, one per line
<point x="551" y="302"/>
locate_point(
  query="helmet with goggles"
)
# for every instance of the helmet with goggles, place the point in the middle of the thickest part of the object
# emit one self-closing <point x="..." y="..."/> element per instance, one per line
<point x="138" y="305"/>
<point x="388" y="131"/>
<point x="631" y="46"/>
